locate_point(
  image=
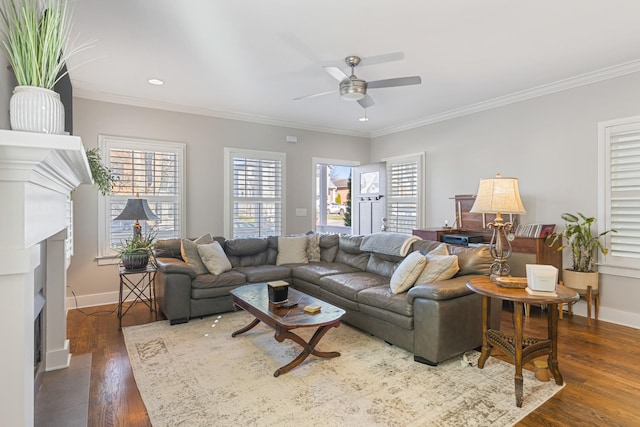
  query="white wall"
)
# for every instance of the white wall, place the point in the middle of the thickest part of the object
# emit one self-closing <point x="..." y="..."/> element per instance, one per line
<point x="205" y="138"/>
<point x="549" y="143"/>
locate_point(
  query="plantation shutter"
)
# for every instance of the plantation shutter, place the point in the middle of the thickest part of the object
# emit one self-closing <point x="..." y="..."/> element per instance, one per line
<point x="257" y="195"/>
<point x="624" y="192"/>
<point x="154" y="172"/>
<point x="403" y="186"/>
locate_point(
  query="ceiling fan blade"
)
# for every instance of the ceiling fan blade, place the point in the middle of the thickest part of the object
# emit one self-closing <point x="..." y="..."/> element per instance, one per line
<point x="399" y="81"/>
<point x="336" y="73"/>
<point x="315" y="95"/>
<point x="366" y="102"/>
<point x="380" y="59"/>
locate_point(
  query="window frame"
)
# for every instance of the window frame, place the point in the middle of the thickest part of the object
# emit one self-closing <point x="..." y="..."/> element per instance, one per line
<point x="610" y="264"/>
<point x="419" y="199"/>
<point x="315" y="162"/>
<point x="106" y="255"/>
<point x="229" y="154"/>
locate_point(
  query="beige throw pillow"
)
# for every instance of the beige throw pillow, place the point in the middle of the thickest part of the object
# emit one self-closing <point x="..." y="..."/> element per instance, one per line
<point x="438" y="268"/>
<point x="214" y="258"/>
<point x="313" y="247"/>
<point x="292" y="250"/>
<point x="407" y="272"/>
<point x="190" y="255"/>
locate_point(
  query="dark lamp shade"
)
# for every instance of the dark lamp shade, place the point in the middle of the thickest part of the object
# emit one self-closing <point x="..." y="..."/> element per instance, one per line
<point x="136" y="209"/>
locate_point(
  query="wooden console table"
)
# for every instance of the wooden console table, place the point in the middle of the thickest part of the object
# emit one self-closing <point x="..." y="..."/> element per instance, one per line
<point x="519" y="348"/>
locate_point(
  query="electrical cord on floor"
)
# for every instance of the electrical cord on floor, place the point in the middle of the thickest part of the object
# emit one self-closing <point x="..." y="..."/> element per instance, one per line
<point x="95" y="313"/>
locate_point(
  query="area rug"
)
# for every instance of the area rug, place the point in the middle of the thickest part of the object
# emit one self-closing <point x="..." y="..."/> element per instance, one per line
<point x="195" y="374"/>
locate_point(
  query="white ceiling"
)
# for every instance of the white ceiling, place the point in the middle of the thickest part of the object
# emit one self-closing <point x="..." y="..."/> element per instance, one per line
<point x="248" y="59"/>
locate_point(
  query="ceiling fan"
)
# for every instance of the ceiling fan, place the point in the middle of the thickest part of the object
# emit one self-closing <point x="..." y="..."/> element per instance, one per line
<point x="352" y="88"/>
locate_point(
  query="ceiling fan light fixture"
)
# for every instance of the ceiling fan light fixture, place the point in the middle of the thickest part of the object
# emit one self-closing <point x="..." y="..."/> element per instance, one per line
<point x="353" y="89"/>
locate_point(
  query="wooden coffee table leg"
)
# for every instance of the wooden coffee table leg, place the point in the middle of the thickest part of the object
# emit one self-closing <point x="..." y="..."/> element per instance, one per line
<point x="309" y="348"/>
<point x="246" y="328"/>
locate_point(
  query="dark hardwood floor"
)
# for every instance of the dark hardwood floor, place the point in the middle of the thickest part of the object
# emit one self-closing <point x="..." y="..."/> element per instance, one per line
<point x="600" y="364"/>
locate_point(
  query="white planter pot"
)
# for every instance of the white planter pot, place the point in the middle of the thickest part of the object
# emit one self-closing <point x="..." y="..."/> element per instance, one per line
<point x="580" y="281"/>
<point x="36" y="109"/>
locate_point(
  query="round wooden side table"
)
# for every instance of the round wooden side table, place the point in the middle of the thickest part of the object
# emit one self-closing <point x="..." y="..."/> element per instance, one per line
<point x="519" y="348"/>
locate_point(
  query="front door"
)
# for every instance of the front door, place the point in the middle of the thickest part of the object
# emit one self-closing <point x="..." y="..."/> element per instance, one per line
<point x="368" y="188"/>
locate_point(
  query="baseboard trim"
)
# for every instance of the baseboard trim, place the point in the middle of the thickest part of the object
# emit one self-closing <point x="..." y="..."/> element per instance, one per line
<point x="93" y="300"/>
<point x="619" y="317"/>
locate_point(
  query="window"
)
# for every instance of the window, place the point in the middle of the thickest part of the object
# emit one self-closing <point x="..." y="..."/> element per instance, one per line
<point x="152" y="169"/>
<point x="254" y="193"/>
<point x="404" y="193"/>
<point x="332" y="190"/>
<point x="619" y="195"/>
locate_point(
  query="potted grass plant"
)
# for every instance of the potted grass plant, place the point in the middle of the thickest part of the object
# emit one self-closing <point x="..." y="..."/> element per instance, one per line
<point x="37" y="39"/>
<point x="135" y="252"/>
<point x="584" y="247"/>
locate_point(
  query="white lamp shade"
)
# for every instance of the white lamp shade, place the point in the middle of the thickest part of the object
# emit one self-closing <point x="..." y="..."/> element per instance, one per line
<point x="498" y="195"/>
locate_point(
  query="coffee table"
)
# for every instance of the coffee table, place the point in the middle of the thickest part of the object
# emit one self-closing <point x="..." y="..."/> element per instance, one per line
<point x="519" y="348"/>
<point x="254" y="300"/>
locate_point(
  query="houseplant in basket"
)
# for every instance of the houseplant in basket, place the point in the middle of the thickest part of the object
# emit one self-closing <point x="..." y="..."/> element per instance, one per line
<point x="37" y="41"/>
<point x="135" y="252"/>
<point x="584" y="246"/>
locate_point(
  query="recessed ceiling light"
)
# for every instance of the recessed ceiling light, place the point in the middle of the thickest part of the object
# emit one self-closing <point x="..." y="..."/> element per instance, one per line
<point x="363" y="119"/>
<point x="156" y="82"/>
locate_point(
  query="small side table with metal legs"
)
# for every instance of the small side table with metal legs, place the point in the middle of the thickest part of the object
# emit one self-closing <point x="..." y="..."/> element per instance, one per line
<point x="141" y="285"/>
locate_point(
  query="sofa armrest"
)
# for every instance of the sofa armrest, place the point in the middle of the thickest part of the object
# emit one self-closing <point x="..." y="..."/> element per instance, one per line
<point x="446" y="289"/>
<point x="174" y="265"/>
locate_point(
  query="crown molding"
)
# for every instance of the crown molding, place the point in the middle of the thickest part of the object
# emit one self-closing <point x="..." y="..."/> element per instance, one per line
<point x="546" y="89"/>
<point x="83" y="91"/>
<point x="86" y="92"/>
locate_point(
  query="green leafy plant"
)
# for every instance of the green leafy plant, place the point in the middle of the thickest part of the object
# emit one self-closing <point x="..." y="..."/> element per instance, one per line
<point x="580" y="240"/>
<point x="138" y="245"/>
<point x="38" y="40"/>
<point x="103" y="179"/>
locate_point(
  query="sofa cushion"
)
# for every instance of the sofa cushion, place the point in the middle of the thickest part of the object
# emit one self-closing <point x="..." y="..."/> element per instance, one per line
<point x="447" y="289"/>
<point x="381" y="264"/>
<point x="472" y="260"/>
<point x="329" y="245"/>
<point x="264" y="273"/>
<point x="382" y="297"/>
<point x="292" y="250"/>
<point x="407" y="272"/>
<point x="350" y="253"/>
<point x="315" y="271"/>
<point x="190" y="255"/>
<point x="313" y="248"/>
<point x="167" y="248"/>
<point x="214" y="258"/>
<point x="349" y="284"/>
<point x="247" y="251"/>
<point x="228" y="278"/>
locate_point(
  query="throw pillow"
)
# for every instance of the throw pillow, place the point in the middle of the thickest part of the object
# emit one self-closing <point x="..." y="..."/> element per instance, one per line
<point x="313" y="248"/>
<point x="292" y="250"/>
<point x="438" y="268"/>
<point x="214" y="258"/>
<point x="407" y="272"/>
<point x="190" y="255"/>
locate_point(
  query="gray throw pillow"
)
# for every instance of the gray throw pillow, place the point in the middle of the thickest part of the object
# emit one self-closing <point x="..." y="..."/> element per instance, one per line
<point x="190" y="255"/>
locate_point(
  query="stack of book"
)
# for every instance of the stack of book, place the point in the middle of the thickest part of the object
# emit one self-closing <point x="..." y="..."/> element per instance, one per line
<point x="535" y="230"/>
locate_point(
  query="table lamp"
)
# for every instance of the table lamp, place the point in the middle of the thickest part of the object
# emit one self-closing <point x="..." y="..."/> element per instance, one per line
<point x="499" y="196"/>
<point x="136" y="209"/>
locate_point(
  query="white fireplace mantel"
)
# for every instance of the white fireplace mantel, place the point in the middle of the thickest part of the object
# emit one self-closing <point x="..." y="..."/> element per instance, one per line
<point x="37" y="174"/>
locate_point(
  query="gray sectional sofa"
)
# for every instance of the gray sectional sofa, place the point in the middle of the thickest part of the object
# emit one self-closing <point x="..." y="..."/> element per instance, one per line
<point x="434" y="321"/>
